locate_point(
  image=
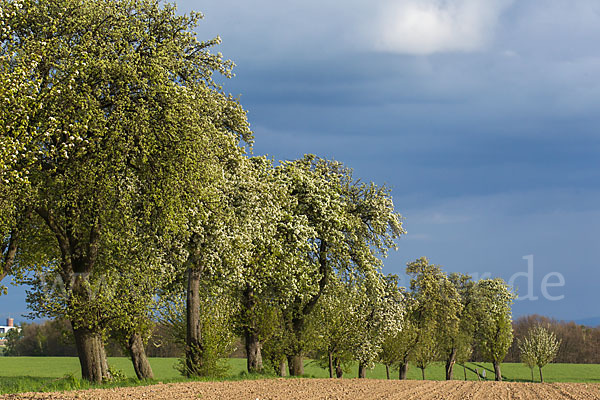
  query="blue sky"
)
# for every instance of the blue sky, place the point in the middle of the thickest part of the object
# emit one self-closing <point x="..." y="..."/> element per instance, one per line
<point x="481" y="115"/>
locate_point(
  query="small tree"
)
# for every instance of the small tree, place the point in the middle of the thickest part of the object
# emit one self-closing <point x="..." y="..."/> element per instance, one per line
<point x="527" y="356"/>
<point x="494" y="320"/>
<point x="538" y="348"/>
<point x="457" y="343"/>
<point x="334" y="327"/>
<point x="436" y="313"/>
<point x="398" y="343"/>
<point x="379" y="314"/>
<point x="218" y="310"/>
<point x="426" y="350"/>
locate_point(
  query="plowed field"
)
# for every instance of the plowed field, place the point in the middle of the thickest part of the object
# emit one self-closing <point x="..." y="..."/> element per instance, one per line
<point x="306" y="389"/>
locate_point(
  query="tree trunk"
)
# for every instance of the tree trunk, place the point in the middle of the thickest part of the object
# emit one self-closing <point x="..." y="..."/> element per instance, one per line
<point x="193" y="348"/>
<point x="387" y="371"/>
<point x="282" y="369"/>
<point x="77" y="262"/>
<point x="296" y="365"/>
<point x="450" y="364"/>
<point x="338" y="368"/>
<point x="251" y="336"/>
<point x="402" y="370"/>
<point x="330" y="357"/>
<point x="253" y="352"/>
<point x="541" y="376"/>
<point x="465" y="370"/>
<point x="92" y="356"/>
<point x="497" y="371"/>
<point x="141" y="365"/>
<point x="362" y="371"/>
<point x="294" y="357"/>
<point x="423" y="373"/>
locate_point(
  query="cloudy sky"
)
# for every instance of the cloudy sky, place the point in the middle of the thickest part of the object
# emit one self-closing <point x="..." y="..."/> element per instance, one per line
<point x="481" y="115"/>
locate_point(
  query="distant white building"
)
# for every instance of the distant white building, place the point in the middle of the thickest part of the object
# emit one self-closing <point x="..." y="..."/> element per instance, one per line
<point x="10" y="324"/>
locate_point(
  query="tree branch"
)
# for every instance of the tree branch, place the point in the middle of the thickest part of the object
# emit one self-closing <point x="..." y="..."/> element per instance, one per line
<point x="9" y="257"/>
<point x="13" y="245"/>
<point x="324" y="270"/>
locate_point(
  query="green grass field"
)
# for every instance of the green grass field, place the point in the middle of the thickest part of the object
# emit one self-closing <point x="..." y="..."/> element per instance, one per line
<point x="20" y="374"/>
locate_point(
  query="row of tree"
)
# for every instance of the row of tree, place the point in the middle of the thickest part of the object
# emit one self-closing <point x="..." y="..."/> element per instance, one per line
<point x="125" y="180"/>
<point x="359" y="318"/>
<point x="54" y="338"/>
<point x="128" y="196"/>
<point x="332" y="344"/>
<point x="441" y="318"/>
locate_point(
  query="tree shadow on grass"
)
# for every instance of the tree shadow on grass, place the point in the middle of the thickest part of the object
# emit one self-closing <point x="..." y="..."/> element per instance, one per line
<point x="490" y="374"/>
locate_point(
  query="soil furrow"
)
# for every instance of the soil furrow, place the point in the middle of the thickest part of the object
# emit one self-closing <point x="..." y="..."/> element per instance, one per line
<point x="331" y="389"/>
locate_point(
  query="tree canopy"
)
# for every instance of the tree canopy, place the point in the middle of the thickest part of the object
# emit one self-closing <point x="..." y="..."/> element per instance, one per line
<point x="127" y="192"/>
<point x="110" y="122"/>
<point x="538" y="348"/>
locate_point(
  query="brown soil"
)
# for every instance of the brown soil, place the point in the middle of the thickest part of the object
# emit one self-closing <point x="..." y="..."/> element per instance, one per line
<point x="305" y="389"/>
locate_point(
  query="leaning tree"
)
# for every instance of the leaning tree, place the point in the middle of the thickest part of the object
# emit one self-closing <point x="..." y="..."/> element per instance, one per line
<point x="494" y="333"/>
<point x="108" y="113"/>
<point x="436" y="311"/>
<point x="354" y="225"/>
<point x="269" y="242"/>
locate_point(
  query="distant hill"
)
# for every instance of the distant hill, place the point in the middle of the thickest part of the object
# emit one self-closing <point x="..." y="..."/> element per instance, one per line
<point x="591" y="322"/>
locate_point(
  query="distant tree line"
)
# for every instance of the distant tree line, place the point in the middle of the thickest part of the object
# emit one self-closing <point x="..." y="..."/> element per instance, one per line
<point x="357" y="318"/>
<point x="580" y="344"/>
<point x="54" y="338"/>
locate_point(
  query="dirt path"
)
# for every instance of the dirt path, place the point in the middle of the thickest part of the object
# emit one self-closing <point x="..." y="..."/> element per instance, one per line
<point x="333" y="389"/>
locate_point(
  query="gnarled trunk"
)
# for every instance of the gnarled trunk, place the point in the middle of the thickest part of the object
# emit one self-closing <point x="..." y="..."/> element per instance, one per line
<point x="88" y="339"/>
<point x="497" y="371"/>
<point x="339" y="372"/>
<point x="387" y="371"/>
<point x="450" y="364"/>
<point x="253" y="351"/>
<point x="193" y="340"/>
<point x="282" y="369"/>
<point x="77" y="263"/>
<point x="362" y="371"/>
<point x="296" y="365"/>
<point x="92" y="356"/>
<point x="251" y="337"/>
<point x="423" y="373"/>
<point x="294" y="358"/>
<point x="403" y="369"/>
<point x="141" y="365"/>
<point x="541" y="376"/>
<point x="330" y="359"/>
